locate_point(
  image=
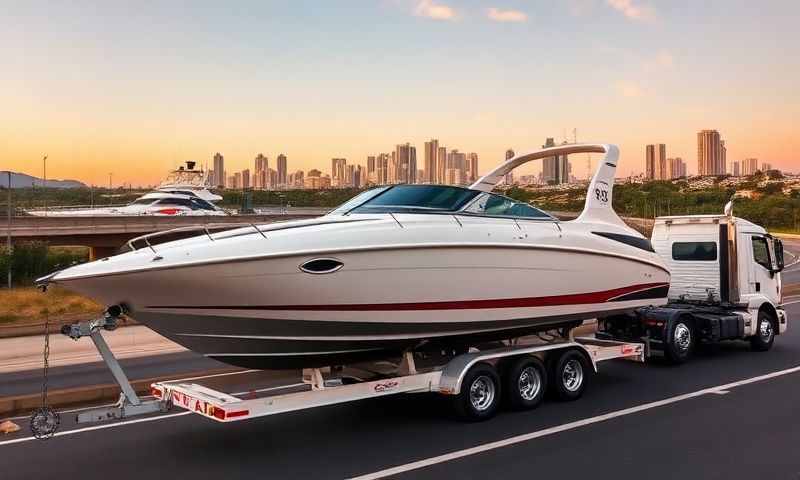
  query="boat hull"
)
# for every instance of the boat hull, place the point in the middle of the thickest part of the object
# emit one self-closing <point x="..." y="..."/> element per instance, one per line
<point x="267" y="313"/>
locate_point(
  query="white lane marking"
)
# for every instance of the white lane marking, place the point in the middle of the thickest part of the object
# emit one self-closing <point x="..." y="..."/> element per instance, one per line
<point x="722" y="392"/>
<point x="562" y="428"/>
<point x="790" y="303"/>
<point x="101" y="427"/>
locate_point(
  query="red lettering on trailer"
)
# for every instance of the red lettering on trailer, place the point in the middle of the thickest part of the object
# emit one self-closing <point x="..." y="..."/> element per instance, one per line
<point x="629" y="349"/>
<point x="386" y="386"/>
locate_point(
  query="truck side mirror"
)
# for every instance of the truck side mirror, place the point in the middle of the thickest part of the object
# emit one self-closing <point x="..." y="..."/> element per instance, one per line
<point x="778" y="247"/>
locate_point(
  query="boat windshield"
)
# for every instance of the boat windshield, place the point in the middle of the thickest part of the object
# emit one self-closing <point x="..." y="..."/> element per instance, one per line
<point x="420" y="198"/>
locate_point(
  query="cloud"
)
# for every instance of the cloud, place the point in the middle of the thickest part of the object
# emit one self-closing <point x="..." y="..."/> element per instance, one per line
<point x="662" y="61"/>
<point x="629" y="89"/>
<point x="436" y="11"/>
<point x="579" y="8"/>
<point x="632" y="10"/>
<point x="499" y="15"/>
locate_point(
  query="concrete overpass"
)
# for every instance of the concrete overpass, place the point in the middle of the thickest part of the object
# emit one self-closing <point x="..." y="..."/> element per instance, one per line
<point x="105" y="235"/>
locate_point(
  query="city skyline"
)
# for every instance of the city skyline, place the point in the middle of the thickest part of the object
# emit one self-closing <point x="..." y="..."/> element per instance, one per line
<point x="108" y="88"/>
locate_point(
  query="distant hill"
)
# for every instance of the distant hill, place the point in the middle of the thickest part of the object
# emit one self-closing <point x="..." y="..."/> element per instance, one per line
<point x="21" y="180"/>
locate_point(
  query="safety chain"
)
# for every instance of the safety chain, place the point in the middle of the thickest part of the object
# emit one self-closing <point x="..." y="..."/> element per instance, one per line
<point x="45" y="420"/>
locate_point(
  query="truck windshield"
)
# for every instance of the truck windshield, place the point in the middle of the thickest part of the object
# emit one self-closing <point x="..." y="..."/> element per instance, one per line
<point x="405" y="198"/>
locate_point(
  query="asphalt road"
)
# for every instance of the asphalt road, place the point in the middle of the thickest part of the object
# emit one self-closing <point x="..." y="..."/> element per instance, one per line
<point x="750" y="431"/>
<point x="791" y="276"/>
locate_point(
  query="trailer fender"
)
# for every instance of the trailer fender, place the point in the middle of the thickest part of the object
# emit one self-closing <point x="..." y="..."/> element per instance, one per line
<point x="453" y="373"/>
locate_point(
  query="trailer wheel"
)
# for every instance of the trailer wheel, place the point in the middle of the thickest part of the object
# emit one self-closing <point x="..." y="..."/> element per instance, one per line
<point x="480" y="394"/>
<point x="765" y="333"/>
<point x="570" y="375"/>
<point x="680" y="341"/>
<point x="525" y="383"/>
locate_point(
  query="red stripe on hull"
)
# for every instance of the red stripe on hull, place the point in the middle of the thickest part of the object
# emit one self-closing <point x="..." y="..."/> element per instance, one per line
<point x="549" y="301"/>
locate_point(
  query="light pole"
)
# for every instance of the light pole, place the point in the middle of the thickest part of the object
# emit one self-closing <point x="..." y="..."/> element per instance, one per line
<point x="110" y="175"/>
<point x="8" y="239"/>
<point x="44" y="182"/>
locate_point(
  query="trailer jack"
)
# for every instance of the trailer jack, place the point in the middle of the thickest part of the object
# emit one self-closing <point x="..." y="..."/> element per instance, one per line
<point x="129" y="403"/>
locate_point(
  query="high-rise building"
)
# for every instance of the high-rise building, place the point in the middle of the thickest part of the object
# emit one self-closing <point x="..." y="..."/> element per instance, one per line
<point x="382" y="169"/>
<point x="766" y="167"/>
<point x="456" y="168"/>
<point x="676" y="168"/>
<point x="472" y="167"/>
<point x="358" y="176"/>
<point x="650" y="166"/>
<point x="555" y="169"/>
<point x="431" y="153"/>
<point x="406" y="163"/>
<point x="245" y="178"/>
<point x="661" y="162"/>
<point x="710" y="153"/>
<point x="371" y="174"/>
<point x="282" y="170"/>
<point x="509" y="177"/>
<point x="338" y="166"/>
<point x="441" y="164"/>
<point x="349" y="170"/>
<point x="219" y="170"/>
<point x="231" y="183"/>
<point x="237" y="180"/>
<point x="315" y="180"/>
<point x="260" y="172"/>
<point x="749" y="166"/>
<point x="736" y="170"/>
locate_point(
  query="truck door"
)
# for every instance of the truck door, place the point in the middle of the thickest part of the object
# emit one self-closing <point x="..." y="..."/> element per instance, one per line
<point x="760" y="278"/>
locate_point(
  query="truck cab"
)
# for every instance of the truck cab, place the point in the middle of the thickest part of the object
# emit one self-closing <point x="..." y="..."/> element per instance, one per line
<point x="725" y="285"/>
<point x="722" y="260"/>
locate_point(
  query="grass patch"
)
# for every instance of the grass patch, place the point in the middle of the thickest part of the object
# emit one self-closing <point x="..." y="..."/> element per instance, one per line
<point x="29" y="306"/>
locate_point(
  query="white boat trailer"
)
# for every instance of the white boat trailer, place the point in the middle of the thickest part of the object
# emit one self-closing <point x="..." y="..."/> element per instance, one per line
<point x="526" y="356"/>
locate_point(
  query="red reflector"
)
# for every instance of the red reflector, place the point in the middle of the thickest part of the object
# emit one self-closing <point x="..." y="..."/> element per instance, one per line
<point x="219" y="413"/>
<point x="239" y="413"/>
<point x="155" y="392"/>
<point x="169" y="211"/>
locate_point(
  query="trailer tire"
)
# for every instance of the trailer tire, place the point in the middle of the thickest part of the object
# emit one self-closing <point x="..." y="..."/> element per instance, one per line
<point x="569" y="375"/>
<point x="480" y="394"/>
<point x="765" y="333"/>
<point x="525" y="382"/>
<point x="680" y="341"/>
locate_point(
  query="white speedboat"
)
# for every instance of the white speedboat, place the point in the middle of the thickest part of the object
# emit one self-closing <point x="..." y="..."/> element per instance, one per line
<point x="185" y="192"/>
<point x="395" y="268"/>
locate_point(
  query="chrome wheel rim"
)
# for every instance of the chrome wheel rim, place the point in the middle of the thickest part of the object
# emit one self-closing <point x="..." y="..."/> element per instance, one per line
<point x="682" y="336"/>
<point x="529" y="383"/>
<point x="481" y="393"/>
<point x="765" y="330"/>
<point x="572" y="376"/>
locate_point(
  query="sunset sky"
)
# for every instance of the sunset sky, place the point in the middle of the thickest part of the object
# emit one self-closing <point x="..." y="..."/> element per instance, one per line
<point x="136" y="88"/>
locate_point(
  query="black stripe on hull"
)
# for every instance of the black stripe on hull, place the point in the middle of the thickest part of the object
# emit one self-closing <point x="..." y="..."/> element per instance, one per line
<point x="648" y="294"/>
<point x="343" y="343"/>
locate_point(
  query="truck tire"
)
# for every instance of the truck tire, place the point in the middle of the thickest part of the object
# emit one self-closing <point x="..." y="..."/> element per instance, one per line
<point x="525" y="382"/>
<point x="480" y="394"/>
<point x="569" y="375"/>
<point x="765" y="333"/>
<point x="680" y="341"/>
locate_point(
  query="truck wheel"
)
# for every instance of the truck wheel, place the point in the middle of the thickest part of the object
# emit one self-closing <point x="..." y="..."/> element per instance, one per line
<point x="570" y="374"/>
<point x="679" y="342"/>
<point x="480" y="394"/>
<point x="765" y="333"/>
<point x="525" y="383"/>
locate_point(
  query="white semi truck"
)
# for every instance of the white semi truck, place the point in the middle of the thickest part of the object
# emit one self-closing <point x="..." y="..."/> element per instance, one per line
<point x="725" y="285"/>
